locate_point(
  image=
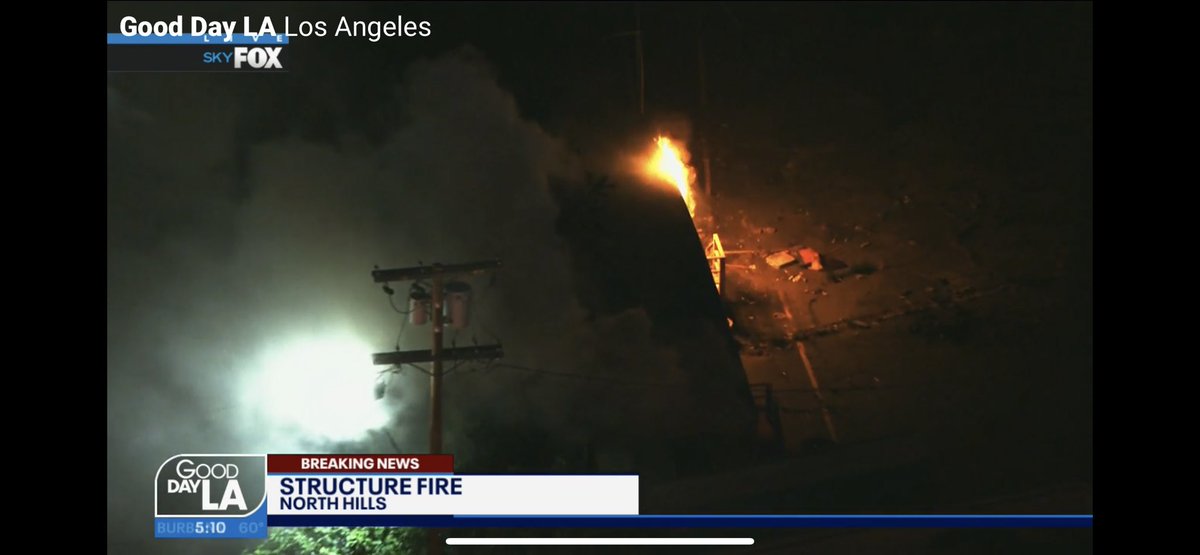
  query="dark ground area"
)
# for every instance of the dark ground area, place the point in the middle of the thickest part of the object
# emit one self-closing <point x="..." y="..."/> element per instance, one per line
<point x="939" y="157"/>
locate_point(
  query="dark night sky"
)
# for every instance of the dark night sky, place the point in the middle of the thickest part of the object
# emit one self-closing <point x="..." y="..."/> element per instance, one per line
<point x="970" y="67"/>
<point x="243" y="205"/>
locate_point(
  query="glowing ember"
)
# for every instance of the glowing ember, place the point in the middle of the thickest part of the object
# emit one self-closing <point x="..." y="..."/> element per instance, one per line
<point x="669" y="163"/>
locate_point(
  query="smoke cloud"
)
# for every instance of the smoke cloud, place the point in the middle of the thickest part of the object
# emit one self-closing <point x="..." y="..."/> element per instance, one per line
<point x="241" y="311"/>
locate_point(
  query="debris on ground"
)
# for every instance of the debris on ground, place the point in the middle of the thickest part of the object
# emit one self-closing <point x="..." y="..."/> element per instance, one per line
<point x="779" y="315"/>
<point x="865" y="245"/>
<point x="811" y="258"/>
<point x="796" y="278"/>
<point x="780" y="259"/>
<point x="752" y="348"/>
<point x="859" y="324"/>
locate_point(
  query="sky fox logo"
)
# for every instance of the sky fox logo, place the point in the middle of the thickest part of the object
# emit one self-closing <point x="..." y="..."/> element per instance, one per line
<point x="251" y="57"/>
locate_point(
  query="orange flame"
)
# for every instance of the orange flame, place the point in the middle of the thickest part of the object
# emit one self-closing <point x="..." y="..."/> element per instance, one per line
<point x="669" y="163"/>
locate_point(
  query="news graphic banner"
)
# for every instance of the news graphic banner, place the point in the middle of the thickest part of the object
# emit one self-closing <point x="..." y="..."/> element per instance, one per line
<point x="240" y="495"/>
<point x="197" y="44"/>
<point x="211" y="496"/>
<point x="239" y="44"/>
<point x="237" y="496"/>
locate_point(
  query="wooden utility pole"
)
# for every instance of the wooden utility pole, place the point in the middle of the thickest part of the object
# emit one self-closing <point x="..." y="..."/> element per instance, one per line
<point x="435" y="381"/>
<point x="438" y="274"/>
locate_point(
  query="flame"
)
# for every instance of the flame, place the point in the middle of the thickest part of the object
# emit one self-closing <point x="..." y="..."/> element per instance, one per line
<point x="669" y="163"/>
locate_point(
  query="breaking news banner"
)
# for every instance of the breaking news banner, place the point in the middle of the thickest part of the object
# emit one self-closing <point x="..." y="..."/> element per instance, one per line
<point x="237" y="496"/>
<point x="243" y="44"/>
<point x="240" y="495"/>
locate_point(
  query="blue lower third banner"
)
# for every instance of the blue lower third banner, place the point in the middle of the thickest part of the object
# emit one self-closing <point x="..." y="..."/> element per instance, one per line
<point x="253" y="525"/>
<point x="692" y="521"/>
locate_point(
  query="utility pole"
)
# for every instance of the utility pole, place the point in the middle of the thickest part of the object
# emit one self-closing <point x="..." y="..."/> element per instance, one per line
<point x="435" y="381"/>
<point x="641" y="65"/>
<point x="438" y="274"/>
<point x="637" y="16"/>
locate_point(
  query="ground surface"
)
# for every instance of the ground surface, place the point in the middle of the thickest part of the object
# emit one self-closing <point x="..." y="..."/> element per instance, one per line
<point x="963" y="295"/>
<point x="940" y="160"/>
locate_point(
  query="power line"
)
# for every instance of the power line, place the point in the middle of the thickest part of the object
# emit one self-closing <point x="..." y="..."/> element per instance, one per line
<point x="403" y="325"/>
<point x="391" y="295"/>
<point x="392" y="301"/>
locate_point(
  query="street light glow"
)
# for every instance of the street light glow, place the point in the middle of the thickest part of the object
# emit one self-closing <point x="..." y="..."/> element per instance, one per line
<point x="316" y="387"/>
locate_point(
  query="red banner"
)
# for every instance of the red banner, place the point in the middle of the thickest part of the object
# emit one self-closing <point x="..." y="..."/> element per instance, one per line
<point x="355" y="464"/>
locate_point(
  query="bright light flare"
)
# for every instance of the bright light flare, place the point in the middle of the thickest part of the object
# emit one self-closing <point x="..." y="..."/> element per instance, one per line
<point x="316" y="387"/>
<point x="669" y="163"/>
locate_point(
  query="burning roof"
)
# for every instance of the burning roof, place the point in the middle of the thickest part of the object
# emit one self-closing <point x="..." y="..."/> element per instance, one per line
<point x="635" y="246"/>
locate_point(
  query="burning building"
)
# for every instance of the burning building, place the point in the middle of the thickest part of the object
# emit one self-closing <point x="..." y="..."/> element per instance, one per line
<point x="636" y="247"/>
